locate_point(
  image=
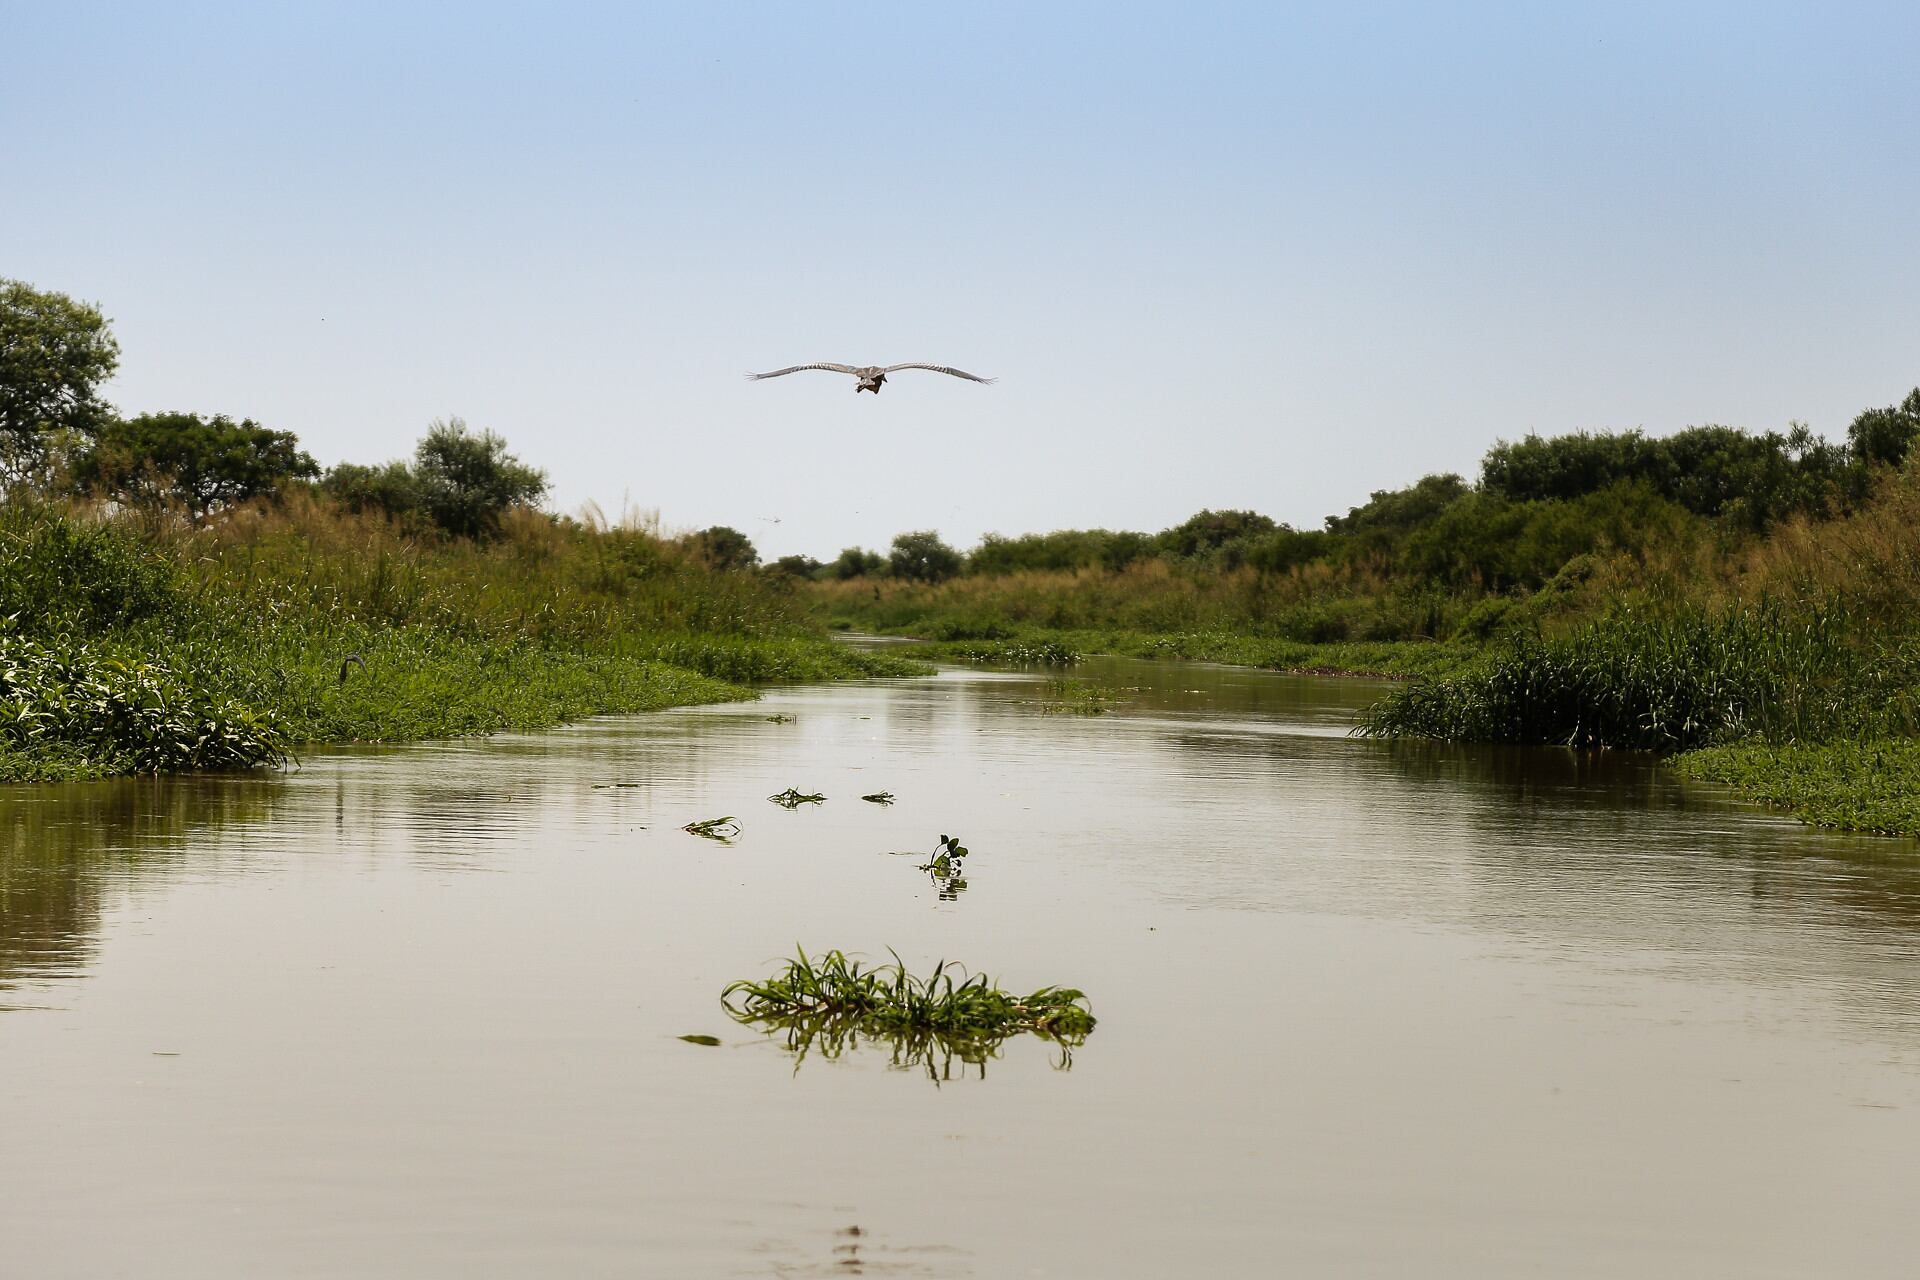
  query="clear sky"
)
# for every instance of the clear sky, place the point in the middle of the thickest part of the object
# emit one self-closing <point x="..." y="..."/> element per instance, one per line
<point x="1265" y="255"/>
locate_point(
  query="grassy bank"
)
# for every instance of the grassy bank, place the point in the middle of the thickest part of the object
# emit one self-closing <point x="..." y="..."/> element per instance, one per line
<point x="1768" y="669"/>
<point x="1046" y="647"/>
<point x="1858" y="786"/>
<point x="161" y="646"/>
<point x="1761" y="659"/>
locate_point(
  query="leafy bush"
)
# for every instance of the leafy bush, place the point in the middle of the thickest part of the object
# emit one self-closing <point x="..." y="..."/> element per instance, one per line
<point x="127" y="714"/>
<point x="58" y="574"/>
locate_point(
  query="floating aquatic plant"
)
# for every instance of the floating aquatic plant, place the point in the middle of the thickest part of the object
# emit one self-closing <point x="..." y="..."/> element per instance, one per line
<point x="781" y="719"/>
<point x="879" y="798"/>
<point x="793" y="798"/>
<point x="1075" y="698"/>
<point x="721" y="829"/>
<point x="828" y="1005"/>
<point x="948" y="867"/>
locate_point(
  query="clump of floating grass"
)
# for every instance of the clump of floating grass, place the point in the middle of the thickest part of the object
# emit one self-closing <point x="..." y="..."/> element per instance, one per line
<point x="1019" y="653"/>
<point x="879" y="798"/>
<point x="793" y="798"/>
<point x="781" y="719"/>
<point x="831" y="1003"/>
<point x="721" y="829"/>
<point x="1075" y="698"/>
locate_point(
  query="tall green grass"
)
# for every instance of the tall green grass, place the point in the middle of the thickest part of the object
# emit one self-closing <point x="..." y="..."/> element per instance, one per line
<point x="1668" y="682"/>
<point x="154" y="647"/>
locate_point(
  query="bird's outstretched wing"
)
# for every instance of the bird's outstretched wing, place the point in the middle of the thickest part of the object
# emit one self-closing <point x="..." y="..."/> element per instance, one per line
<point x="832" y="368"/>
<point x="938" y="368"/>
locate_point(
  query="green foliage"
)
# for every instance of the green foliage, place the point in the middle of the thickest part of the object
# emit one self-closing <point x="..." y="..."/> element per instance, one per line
<point x="793" y="798"/>
<point x="60" y="576"/>
<point x="1390" y="514"/>
<point x="125" y="714"/>
<point x="389" y="489"/>
<point x="468" y="482"/>
<point x="545" y="624"/>
<point x="1753" y="481"/>
<point x="1886" y="436"/>
<point x="1210" y="533"/>
<point x="922" y="557"/>
<point x="1062" y="550"/>
<point x="832" y="1002"/>
<point x="724" y="548"/>
<point x="853" y="562"/>
<point x="202" y="463"/>
<point x="460" y="483"/>
<point x="54" y="354"/>
<point x="1871" y="785"/>
<point x="1661" y="684"/>
<point x="797" y="566"/>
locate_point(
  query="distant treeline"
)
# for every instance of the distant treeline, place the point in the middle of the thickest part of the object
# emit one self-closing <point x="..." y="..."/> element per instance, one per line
<point x="1538" y="503"/>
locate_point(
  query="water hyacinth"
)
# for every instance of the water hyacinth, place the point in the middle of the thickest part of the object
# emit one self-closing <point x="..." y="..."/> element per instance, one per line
<point x="138" y="715"/>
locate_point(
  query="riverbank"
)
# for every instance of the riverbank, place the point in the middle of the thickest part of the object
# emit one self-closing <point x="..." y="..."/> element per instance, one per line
<point x="1402" y="659"/>
<point x="1790" y="673"/>
<point x="128" y="648"/>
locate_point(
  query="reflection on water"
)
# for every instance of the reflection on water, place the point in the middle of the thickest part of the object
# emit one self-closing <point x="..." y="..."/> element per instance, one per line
<point x="1365" y="1008"/>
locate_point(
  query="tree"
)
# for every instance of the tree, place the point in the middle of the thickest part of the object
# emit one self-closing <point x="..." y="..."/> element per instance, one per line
<point x="856" y="562"/>
<point x="1208" y="531"/>
<point x="389" y="489"/>
<point x="54" y="354"/>
<point x="797" y="566"/>
<point x="922" y="557"/>
<point x="1885" y="435"/>
<point x="724" y="548"/>
<point x="203" y="463"/>
<point x="467" y="482"/>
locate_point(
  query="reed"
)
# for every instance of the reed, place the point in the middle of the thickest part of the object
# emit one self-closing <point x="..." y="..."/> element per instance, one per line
<point x="1668" y="683"/>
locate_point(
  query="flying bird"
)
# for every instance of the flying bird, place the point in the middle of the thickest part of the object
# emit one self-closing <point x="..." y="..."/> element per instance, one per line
<point x="872" y="376"/>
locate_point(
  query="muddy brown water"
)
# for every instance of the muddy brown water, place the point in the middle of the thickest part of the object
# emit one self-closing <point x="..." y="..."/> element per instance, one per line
<point x="1365" y="1009"/>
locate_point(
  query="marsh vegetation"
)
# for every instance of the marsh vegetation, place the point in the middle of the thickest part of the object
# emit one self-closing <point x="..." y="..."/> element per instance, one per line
<point x="830" y="1004"/>
<point x="1709" y="589"/>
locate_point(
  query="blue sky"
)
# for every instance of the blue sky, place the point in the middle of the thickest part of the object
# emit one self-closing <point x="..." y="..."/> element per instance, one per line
<point x="1253" y="256"/>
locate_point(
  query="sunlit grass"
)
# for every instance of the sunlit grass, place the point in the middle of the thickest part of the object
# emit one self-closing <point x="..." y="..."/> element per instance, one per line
<point x="831" y="1002"/>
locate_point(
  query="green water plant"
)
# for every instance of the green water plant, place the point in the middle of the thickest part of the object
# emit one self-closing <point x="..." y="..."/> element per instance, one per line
<point x="793" y="798"/>
<point x="1075" y="698"/>
<point x="830" y="1004"/>
<point x="721" y="829"/>
<point x="882" y="798"/>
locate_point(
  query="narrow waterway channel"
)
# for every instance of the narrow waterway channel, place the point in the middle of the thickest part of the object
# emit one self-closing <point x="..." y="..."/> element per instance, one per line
<point x="1366" y="1009"/>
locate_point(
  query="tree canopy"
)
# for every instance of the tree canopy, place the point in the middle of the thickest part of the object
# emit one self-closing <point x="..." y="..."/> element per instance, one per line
<point x="922" y="557"/>
<point x="54" y="354"/>
<point x="724" y="547"/>
<point x="202" y="463"/>
<point x="467" y="482"/>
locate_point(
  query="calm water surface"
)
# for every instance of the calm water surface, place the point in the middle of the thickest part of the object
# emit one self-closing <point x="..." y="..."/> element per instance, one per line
<point x="1365" y="1009"/>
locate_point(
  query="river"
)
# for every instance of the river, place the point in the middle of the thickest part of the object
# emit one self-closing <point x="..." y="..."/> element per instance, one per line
<point x="1366" y="1009"/>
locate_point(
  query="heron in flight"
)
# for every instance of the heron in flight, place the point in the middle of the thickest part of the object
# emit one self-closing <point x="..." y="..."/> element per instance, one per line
<point x="872" y="376"/>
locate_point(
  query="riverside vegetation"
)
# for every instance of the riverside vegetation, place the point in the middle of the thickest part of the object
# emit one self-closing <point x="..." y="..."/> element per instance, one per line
<point x="1749" y="603"/>
<point x="829" y="1003"/>
<point x="180" y="592"/>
